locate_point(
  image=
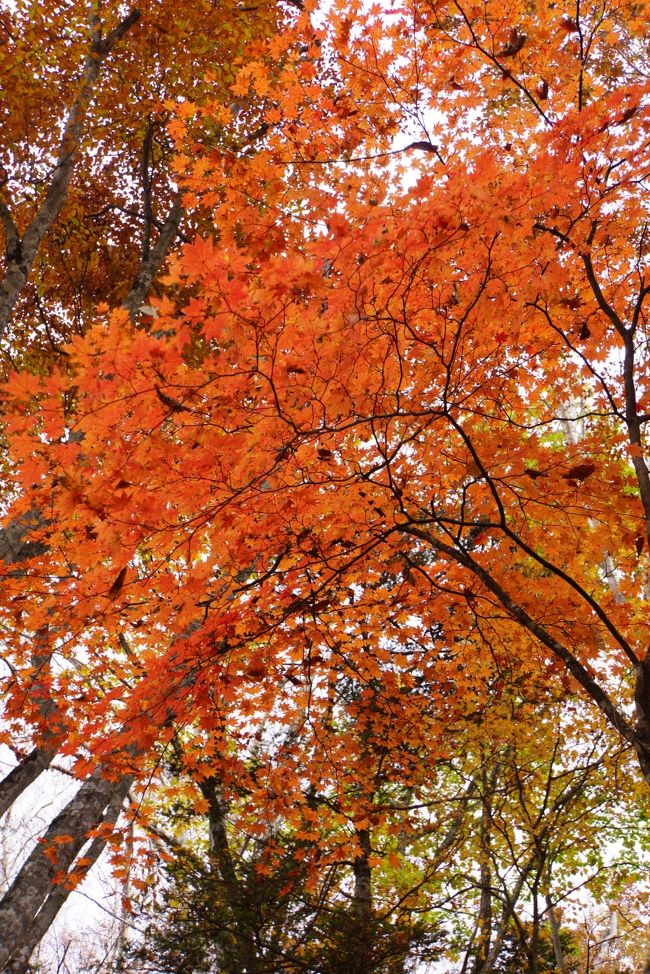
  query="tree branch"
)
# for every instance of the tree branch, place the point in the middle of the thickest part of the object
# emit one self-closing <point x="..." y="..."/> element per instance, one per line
<point x="575" y="667"/>
<point x="150" y="264"/>
<point x="20" y="258"/>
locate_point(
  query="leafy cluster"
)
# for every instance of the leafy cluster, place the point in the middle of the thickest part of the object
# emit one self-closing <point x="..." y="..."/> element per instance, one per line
<point x="327" y="507"/>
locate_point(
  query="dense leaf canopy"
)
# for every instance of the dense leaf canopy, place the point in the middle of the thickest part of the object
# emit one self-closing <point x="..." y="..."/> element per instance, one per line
<point x="361" y="486"/>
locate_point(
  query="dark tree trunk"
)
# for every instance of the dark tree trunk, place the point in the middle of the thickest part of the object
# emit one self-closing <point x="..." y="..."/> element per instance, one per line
<point x="359" y="947"/>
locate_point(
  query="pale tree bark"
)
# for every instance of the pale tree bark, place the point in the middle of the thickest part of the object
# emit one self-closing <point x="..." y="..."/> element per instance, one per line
<point x="531" y="872"/>
<point x="35" y="897"/>
<point x="511" y="898"/>
<point x="560" y="962"/>
<point x="14" y="548"/>
<point x="21" y="251"/>
<point x="152" y="260"/>
<point x="36" y="893"/>
<point x="22" y="776"/>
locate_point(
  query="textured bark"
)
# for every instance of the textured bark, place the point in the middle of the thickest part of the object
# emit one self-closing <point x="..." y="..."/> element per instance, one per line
<point x="152" y="261"/>
<point x="31" y="904"/>
<point x="484" y="922"/>
<point x="642" y="704"/>
<point x="362" y="897"/>
<point x="20" y="777"/>
<point x="34" y="898"/>
<point x="359" y="949"/>
<point x="219" y="845"/>
<point x="511" y="897"/>
<point x="511" y="900"/>
<point x="555" y="934"/>
<point x="58" y="894"/>
<point x="15" y="543"/>
<point x="20" y="930"/>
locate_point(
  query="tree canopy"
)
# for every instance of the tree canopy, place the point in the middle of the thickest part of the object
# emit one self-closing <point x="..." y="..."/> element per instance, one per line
<point x="356" y="485"/>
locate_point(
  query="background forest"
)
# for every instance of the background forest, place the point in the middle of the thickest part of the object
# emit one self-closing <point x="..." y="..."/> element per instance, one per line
<point x="326" y="506"/>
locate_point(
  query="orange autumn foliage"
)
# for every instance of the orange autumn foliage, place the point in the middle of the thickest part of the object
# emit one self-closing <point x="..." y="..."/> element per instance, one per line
<point x="386" y="424"/>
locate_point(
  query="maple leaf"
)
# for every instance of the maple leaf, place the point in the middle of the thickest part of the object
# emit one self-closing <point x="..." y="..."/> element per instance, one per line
<point x="117" y="585"/>
<point x="403" y="618"/>
<point x="515" y="42"/>
<point x="580" y="472"/>
<point x="425" y="147"/>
